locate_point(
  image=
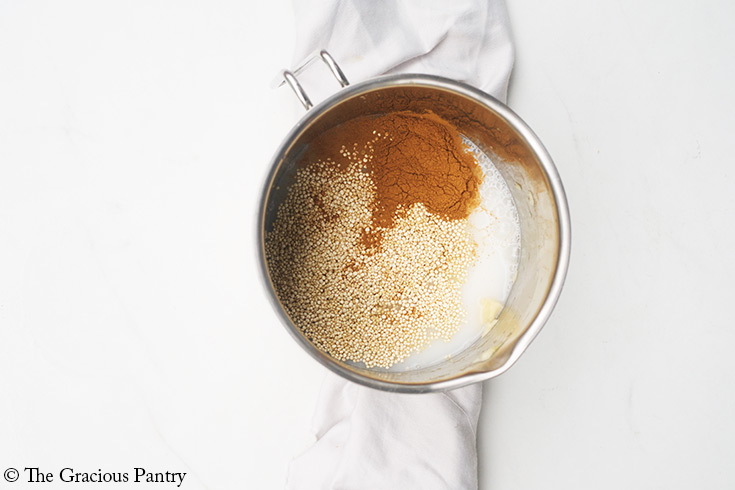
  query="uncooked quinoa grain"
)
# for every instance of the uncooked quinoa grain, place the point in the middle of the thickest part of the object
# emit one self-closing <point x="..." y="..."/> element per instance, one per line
<point x="368" y="301"/>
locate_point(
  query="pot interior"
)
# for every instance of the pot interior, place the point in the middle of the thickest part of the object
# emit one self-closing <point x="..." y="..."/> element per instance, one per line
<point x="523" y="163"/>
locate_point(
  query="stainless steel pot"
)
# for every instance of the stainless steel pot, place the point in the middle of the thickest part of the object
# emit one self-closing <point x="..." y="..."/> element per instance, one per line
<point x="531" y="177"/>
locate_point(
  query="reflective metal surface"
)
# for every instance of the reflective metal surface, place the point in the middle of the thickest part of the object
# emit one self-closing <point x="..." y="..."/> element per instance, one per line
<point x="290" y="76"/>
<point x="534" y="183"/>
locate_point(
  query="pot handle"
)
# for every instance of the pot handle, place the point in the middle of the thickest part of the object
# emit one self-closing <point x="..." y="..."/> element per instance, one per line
<point x="289" y="76"/>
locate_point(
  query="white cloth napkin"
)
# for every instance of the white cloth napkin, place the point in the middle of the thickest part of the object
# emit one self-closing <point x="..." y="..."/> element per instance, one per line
<point x="467" y="40"/>
<point x="368" y="439"/>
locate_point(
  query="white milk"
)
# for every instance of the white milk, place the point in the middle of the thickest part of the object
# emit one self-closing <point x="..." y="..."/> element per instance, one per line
<point x="497" y="230"/>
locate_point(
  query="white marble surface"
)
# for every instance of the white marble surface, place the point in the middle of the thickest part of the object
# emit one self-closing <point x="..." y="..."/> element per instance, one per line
<point x="133" y="331"/>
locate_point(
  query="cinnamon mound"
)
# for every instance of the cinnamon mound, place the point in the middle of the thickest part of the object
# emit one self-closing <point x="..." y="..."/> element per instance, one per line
<point x="412" y="158"/>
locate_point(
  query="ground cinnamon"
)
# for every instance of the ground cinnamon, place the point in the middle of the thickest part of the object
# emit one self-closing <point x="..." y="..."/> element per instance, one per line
<point x="412" y="158"/>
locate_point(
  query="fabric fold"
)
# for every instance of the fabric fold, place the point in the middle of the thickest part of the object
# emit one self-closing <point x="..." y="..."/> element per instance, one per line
<point x="365" y="438"/>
